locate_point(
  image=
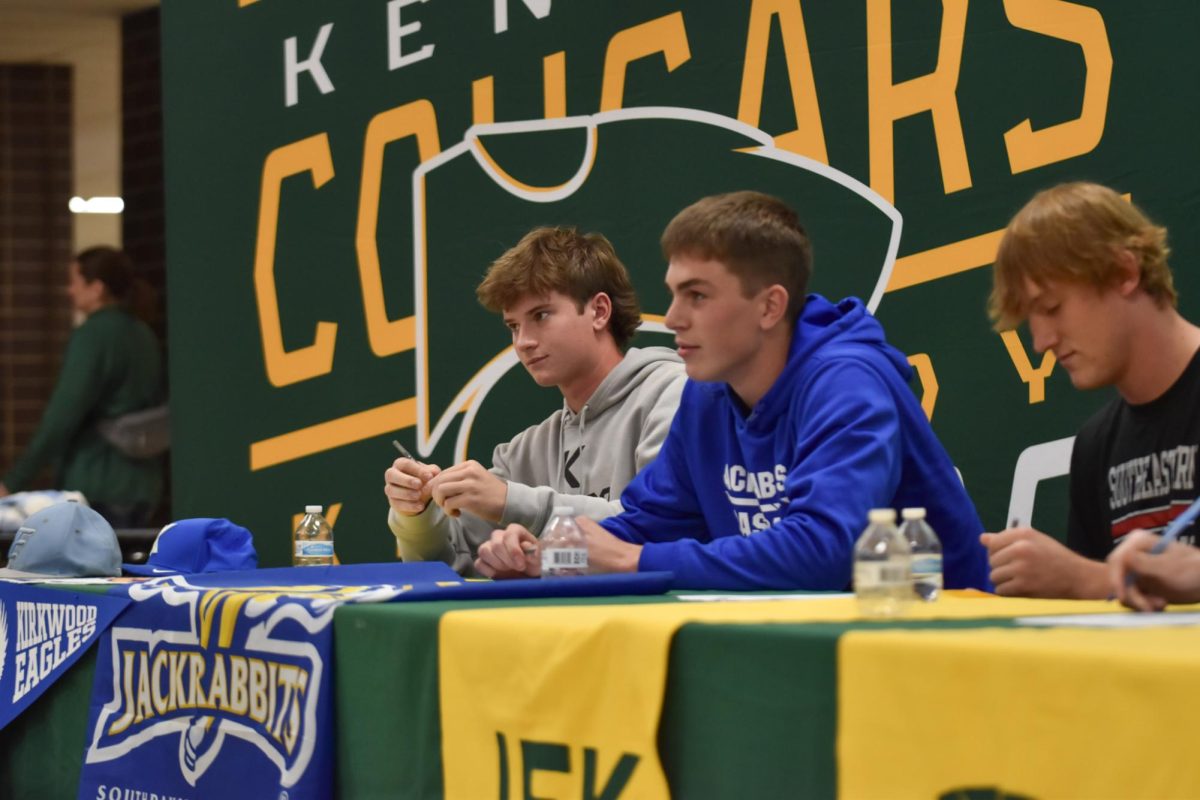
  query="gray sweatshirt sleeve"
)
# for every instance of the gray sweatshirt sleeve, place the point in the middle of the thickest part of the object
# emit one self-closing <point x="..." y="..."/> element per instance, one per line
<point x="535" y="504"/>
<point x="525" y="504"/>
<point x="668" y="388"/>
<point x="432" y="535"/>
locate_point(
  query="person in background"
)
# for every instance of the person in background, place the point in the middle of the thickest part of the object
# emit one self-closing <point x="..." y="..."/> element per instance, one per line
<point x="796" y="421"/>
<point x="1089" y="272"/>
<point x="571" y="310"/>
<point x="112" y="366"/>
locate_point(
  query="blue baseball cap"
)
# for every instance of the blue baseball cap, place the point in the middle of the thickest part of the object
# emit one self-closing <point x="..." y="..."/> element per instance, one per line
<point x="202" y="544"/>
<point x="65" y="540"/>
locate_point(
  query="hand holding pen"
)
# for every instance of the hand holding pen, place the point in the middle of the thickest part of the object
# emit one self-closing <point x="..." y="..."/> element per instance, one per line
<point x="408" y="483"/>
<point x="1149" y="571"/>
<point x="466" y="486"/>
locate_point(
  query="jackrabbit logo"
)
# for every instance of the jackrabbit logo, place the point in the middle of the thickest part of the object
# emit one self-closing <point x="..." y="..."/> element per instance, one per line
<point x="223" y="663"/>
<point x="626" y="173"/>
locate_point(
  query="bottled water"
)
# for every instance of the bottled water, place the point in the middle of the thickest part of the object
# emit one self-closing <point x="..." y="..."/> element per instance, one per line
<point x="926" y="554"/>
<point x="882" y="567"/>
<point x="312" y="543"/>
<point x="563" y="546"/>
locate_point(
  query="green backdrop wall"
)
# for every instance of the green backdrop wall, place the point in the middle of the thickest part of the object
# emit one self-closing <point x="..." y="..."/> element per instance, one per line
<point x="339" y="176"/>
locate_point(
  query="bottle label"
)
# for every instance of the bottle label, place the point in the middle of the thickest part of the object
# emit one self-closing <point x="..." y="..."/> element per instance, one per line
<point x="880" y="573"/>
<point x="314" y="549"/>
<point x="927" y="565"/>
<point x="564" y="558"/>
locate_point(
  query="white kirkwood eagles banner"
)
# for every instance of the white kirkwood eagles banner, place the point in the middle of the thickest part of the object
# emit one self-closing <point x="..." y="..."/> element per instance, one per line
<point x="42" y="633"/>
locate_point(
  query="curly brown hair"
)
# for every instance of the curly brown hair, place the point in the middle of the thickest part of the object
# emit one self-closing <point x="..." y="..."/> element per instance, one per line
<point x="560" y="259"/>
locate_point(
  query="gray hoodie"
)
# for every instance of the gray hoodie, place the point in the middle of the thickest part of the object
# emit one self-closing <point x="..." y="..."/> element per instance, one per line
<point x="583" y="460"/>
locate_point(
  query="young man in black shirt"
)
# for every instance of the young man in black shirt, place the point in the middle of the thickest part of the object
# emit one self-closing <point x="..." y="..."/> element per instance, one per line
<point x="1089" y="272"/>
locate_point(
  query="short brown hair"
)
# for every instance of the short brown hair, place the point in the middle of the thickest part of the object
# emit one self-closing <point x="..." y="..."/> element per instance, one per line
<point x="108" y="265"/>
<point x="1071" y="233"/>
<point x="578" y="265"/>
<point x="756" y="236"/>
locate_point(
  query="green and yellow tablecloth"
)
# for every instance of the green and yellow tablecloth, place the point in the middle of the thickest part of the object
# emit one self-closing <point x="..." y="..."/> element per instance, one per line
<point x="640" y="697"/>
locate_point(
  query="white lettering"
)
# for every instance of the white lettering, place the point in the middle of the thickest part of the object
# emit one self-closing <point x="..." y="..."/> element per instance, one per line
<point x="1152" y="476"/>
<point x="735" y="478"/>
<point x="312" y="65"/>
<point x="397" y="31"/>
<point x="540" y="9"/>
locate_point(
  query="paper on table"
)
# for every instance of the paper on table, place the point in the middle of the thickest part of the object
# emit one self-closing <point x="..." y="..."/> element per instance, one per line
<point x="1120" y="620"/>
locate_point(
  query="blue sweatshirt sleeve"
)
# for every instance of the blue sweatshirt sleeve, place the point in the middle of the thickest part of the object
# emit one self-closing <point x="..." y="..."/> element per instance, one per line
<point x="846" y="430"/>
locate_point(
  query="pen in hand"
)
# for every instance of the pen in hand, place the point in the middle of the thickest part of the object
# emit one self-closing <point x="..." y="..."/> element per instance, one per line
<point x="454" y="512"/>
<point x="1170" y="534"/>
<point x="1176" y="527"/>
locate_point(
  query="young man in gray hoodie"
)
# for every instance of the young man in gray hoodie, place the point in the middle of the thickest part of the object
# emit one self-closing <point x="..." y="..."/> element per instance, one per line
<point x="569" y="303"/>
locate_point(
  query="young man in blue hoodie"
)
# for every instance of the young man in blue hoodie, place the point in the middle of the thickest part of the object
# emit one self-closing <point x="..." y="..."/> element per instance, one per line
<point x="796" y="420"/>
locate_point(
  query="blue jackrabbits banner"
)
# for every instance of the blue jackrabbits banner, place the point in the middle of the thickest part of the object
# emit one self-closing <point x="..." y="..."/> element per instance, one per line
<point x="197" y="676"/>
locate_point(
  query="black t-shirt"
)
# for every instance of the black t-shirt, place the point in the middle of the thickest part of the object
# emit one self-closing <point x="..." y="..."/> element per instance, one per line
<point x="1135" y="467"/>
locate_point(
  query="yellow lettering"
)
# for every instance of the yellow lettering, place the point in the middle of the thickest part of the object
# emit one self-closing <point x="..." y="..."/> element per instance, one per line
<point x="664" y="35"/>
<point x="230" y="610"/>
<point x="417" y="119"/>
<point x="145" y="709"/>
<point x="239" y="697"/>
<point x="1070" y="22"/>
<point x="176" y="699"/>
<point x="258" y="690"/>
<point x="195" y="674"/>
<point x="160" y="700"/>
<point x="483" y="100"/>
<point x="934" y="92"/>
<point x="1036" y="378"/>
<point x="923" y="364"/>
<point x="272" y="668"/>
<point x="292" y="730"/>
<point x="554" y="91"/>
<point x="284" y="682"/>
<point x="554" y="84"/>
<point x="283" y="366"/>
<point x="808" y="139"/>
<point x="127" y="698"/>
<point x="218" y="694"/>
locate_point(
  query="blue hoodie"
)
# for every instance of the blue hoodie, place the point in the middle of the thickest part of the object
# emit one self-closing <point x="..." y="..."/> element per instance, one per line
<point x="776" y="498"/>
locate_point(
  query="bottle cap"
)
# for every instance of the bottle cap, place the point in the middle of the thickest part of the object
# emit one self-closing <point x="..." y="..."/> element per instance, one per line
<point x="313" y="509"/>
<point x="564" y="511"/>
<point x="881" y="516"/>
<point x="913" y="513"/>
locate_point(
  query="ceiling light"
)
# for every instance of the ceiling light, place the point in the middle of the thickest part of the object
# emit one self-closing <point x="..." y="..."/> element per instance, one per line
<point x="96" y="205"/>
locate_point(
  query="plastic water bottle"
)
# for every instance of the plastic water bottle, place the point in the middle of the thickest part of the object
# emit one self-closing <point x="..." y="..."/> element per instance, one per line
<point x="882" y="567"/>
<point x="563" y="546"/>
<point x="926" y="554"/>
<point x="312" y="542"/>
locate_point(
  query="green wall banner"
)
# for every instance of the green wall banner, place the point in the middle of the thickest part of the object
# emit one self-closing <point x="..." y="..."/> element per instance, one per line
<point x="340" y="176"/>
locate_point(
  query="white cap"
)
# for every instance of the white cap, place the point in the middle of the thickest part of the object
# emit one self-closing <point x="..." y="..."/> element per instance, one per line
<point x="881" y="516"/>
<point x="913" y="513"/>
<point x="564" y="511"/>
<point x="313" y="509"/>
